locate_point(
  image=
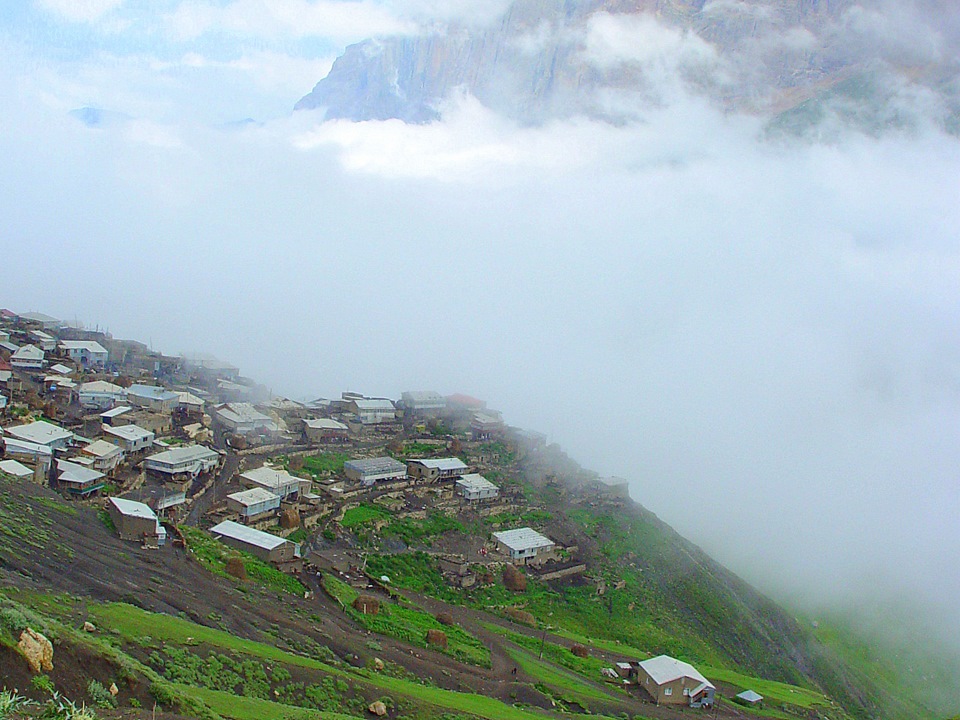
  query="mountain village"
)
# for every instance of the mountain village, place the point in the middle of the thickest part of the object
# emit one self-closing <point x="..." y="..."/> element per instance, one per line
<point x="166" y="447"/>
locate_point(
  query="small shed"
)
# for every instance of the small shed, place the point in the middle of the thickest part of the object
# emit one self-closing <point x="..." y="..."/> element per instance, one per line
<point x="523" y="544"/>
<point x="435" y="469"/>
<point x="256" y="542"/>
<point x="749" y="697"/>
<point x="474" y="488"/>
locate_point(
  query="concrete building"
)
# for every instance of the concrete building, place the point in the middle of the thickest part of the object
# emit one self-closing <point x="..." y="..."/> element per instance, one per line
<point x="277" y="481"/>
<point x="40" y="457"/>
<point x="79" y="480"/>
<point x="487" y="426"/>
<point x="152" y="397"/>
<point x="136" y="521"/>
<point x="474" y="488"/>
<point x="132" y="439"/>
<point x="190" y="401"/>
<point x="253" y="503"/>
<point x="260" y="544"/>
<point x="113" y="416"/>
<point x="45" y="341"/>
<point x="27" y="357"/>
<point x="244" y="419"/>
<point x="324" y="430"/>
<point x="673" y="682"/>
<point x="371" y="411"/>
<point x="423" y="402"/>
<point x="101" y="395"/>
<point x="369" y="471"/>
<point x="42" y="433"/>
<point x="61" y="369"/>
<point x="436" y="469"/>
<point x="749" y="698"/>
<point x="106" y="456"/>
<point x="87" y="353"/>
<point x="523" y="544"/>
<point x="182" y="463"/>
<point x="47" y="322"/>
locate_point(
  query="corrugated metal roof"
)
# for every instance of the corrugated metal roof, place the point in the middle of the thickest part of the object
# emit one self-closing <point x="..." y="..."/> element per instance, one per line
<point x="663" y="669"/>
<point x="152" y="392"/>
<point x="750" y="696"/>
<point x="475" y="482"/>
<point x="253" y="496"/>
<point x="523" y="539"/>
<point x="115" y="412"/>
<point x="270" y="477"/>
<point x="132" y="508"/>
<point x="40" y="432"/>
<point x="374" y="404"/>
<point x="128" y="432"/>
<point x="12" y="467"/>
<point x="442" y="463"/>
<point x="91" y="346"/>
<point x="249" y="535"/>
<point x="102" y="449"/>
<point x="71" y="472"/>
<point x="375" y="466"/>
<point x="325" y="424"/>
<point x="186" y="453"/>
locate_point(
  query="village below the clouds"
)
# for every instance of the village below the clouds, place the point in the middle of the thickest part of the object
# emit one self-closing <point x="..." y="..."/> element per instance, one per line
<point x="423" y="529"/>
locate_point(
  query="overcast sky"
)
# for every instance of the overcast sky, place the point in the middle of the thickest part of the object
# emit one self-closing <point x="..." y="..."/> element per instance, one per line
<point x="764" y="338"/>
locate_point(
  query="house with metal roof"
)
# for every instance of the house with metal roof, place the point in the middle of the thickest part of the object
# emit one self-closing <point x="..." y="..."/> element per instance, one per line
<point x="182" y="463"/>
<point x="244" y="418"/>
<point x="105" y="455"/>
<point x="253" y="503"/>
<point x="43" y="433"/>
<point x="101" y="394"/>
<point x="423" y="402"/>
<point x="78" y="479"/>
<point x="673" y="682"/>
<point x="136" y="521"/>
<point x="475" y="488"/>
<point x="436" y="469"/>
<point x="256" y="542"/>
<point x="133" y="439"/>
<point x="369" y="471"/>
<point x="89" y="353"/>
<point x="276" y="480"/>
<point x="324" y="429"/>
<point x="152" y="397"/>
<point x="47" y="322"/>
<point x="15" y="469"/>
<point x="371" y="411"/>
<point x="27" y="357"/>
<point x="523" y="544"/>
<point x="45" y="341"/>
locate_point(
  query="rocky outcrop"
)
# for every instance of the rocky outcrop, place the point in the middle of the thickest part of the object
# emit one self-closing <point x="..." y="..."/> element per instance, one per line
<point x="37" y="650"/>
<point x="545" y="59"/>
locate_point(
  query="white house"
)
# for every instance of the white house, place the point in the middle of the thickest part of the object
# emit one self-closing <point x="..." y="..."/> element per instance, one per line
<point x="27" y="357"/>
<point x="523" y="544"/>
<point x="372" y="411"/>
<point x="243" y="418"/>
<point x="252" y="503"/>
<point x="16" y="469"/>
<point x="47" y="322"/>
<point x="106" y="456"/>
<point x="101" y="395"/>
<point x="136" y="521"/>
<point x="474" y="487"/>
<point x="42" y="433"/>
<point x="323" y="429"/>
<point x="132" y="439"/>
<point x="88" y="353"/>
<point x="152" y="397"/>
<point x="185" y="461"/>
<point x="264" y="545"/>
<point x="279" y="482"/>
<point x="423" y="402"/>
<point x="190" y="401"/>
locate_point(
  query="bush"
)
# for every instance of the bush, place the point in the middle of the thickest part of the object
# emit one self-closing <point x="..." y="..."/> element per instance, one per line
<point x="100" y="695"/>
<point x="43" y="683"/>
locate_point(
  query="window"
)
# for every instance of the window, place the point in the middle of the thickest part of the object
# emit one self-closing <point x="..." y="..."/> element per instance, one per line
<point x="668" y="691"/>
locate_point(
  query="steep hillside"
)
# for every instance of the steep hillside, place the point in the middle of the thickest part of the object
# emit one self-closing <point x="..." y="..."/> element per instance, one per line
<point x="612" y="58"/>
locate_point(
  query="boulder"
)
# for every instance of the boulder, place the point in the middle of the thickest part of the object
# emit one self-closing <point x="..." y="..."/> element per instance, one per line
<point x="437" y="637"/>
<point x="580" y="651"/>
<point x="114" y="690"/>
<point x="290" y="518"/>
<point x="367" y="604"/>
<point x="37" y="650"/>
<point x="378" y="708"/>
<point x="521" y="616"/>
<point x="445" y="618"/>
<point x="378" y="665"/>
<point x="513" y="579"/>
<point x="89" y="627"/>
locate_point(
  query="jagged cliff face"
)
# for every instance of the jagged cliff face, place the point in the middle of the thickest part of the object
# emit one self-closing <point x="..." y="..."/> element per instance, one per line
<point x="605" y="58"/>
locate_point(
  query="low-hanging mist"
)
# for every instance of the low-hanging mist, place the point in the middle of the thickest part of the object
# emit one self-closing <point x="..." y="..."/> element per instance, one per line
<point x="762" y="336"/>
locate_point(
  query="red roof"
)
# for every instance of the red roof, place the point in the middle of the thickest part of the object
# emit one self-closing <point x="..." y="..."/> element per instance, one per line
<point x="8" y="314"/>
